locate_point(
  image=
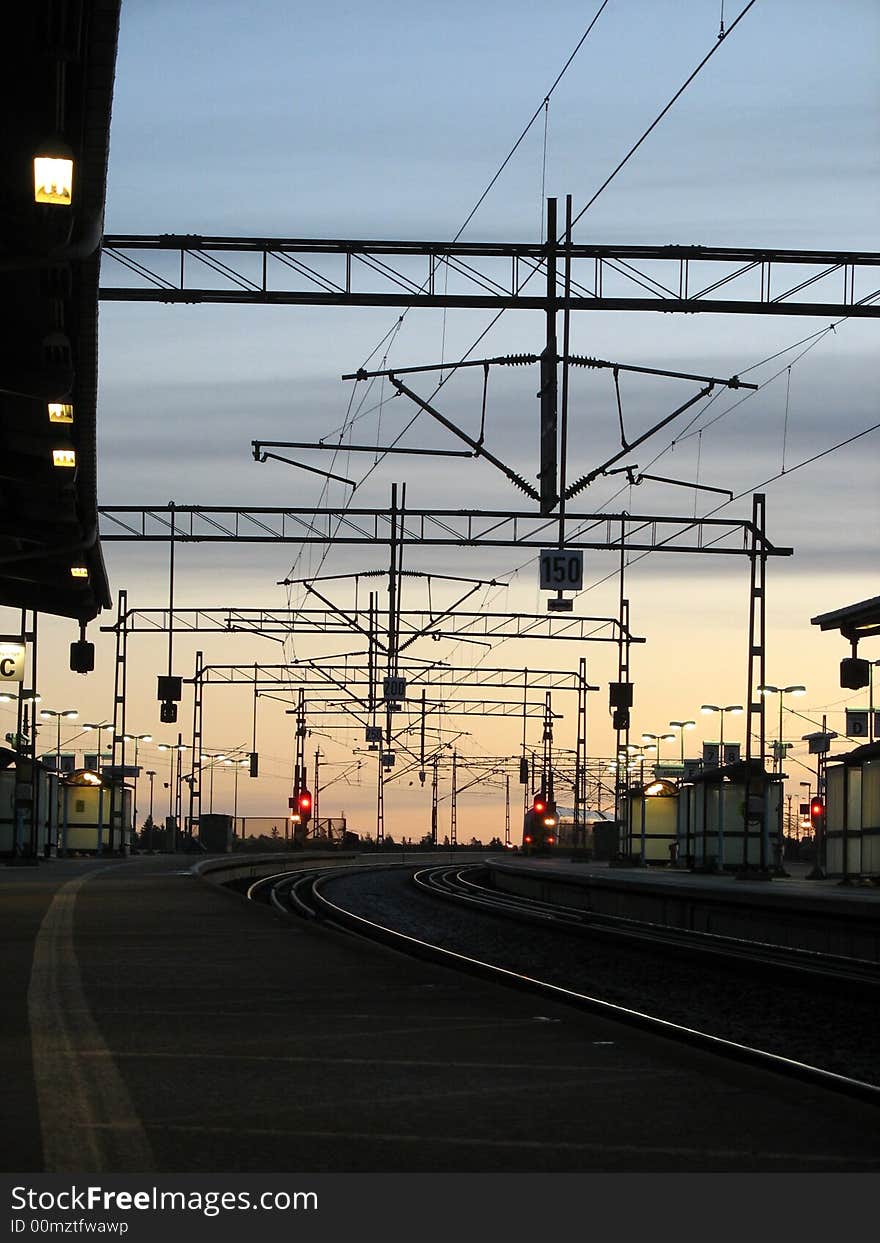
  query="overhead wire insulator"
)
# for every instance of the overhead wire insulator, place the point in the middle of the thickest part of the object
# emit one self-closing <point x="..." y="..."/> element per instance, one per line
<point x="517" y="360"/>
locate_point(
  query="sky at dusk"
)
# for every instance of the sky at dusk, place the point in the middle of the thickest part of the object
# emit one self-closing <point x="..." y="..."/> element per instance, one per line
<point x="382" y="120"/>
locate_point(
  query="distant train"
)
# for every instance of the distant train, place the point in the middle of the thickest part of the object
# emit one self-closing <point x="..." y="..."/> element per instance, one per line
<point x="540" y="826"/>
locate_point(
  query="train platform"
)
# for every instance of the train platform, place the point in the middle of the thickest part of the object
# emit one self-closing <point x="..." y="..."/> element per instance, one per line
<point x="155" y="1022"/>
<point x="791" y="909"/>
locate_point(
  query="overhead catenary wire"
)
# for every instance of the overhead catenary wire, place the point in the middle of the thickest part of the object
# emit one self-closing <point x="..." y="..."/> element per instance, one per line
<point x="589" y="204"/>
<point x="634" y="148"/>
<point x="810" y="341"/>
<point x="542" y="106"/>
<point x="595" y="196"/>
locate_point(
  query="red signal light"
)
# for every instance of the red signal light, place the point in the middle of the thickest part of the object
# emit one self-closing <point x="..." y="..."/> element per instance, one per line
<point x="527" y="839"/>
<point x="304" y="804"/>
<point x="539" y="805"/>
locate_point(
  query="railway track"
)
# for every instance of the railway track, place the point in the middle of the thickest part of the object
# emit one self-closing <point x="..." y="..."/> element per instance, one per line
<point x="306" y="894"/>
<point x="467" y="884"/>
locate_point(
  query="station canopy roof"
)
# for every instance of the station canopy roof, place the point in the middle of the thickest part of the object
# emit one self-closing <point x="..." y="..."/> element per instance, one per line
<point x="58" y="63"/>
<point x="856" y="621"/>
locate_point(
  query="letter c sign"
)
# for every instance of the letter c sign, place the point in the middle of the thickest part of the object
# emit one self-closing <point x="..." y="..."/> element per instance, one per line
<point x="11" y="662"/>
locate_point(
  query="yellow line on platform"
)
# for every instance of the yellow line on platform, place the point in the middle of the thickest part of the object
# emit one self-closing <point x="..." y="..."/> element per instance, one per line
<point x="87" y="1118"/>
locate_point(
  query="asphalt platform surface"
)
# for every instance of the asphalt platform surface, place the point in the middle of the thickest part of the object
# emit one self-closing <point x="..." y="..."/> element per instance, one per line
<point x="152" y="1022"/>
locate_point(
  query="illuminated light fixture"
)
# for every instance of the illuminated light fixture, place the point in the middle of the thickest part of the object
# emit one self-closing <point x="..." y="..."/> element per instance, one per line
<point x="79" y="571"/>
<point x="60" y="412"/>
<point x="91" y="779"/>
<point x="53" y="174"/>
<point x="64" y="457"/>
<point x="657" y="788"/>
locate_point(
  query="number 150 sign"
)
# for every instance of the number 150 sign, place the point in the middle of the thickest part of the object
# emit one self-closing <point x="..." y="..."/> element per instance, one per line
<point x="561" y="569"/>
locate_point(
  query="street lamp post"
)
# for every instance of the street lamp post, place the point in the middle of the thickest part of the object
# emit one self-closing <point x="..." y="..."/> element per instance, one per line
<point x="151" y="773"/>
<point x="656" y="739"/>
<point x="236" y="765"/>
<point x="736" y="710"/>
<point x="681" y="726"/>
<point x="175" y="750"/>
<point x="635" y="757"/>
<point x="68" y="713"/>
<point x="137" y="739"/>
<point x="781" y="691"/>
<point x="99" y="726"/>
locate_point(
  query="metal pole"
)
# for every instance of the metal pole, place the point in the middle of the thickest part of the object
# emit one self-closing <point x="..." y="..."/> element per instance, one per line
<point x="547" y="475"/>
<point x="507" y="809"/>
<point x="317" y="787"/>
<point x="434" y="801"/>
<point x="235" y="802"/>
<point x="35" y="776"/>
<point x="134" y="810"/>
<point x="721" y="808"/>
<point x="151" y="774"/>
<point x="453" y="823"/>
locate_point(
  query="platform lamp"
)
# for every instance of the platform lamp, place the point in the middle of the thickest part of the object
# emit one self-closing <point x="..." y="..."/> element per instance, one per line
<point x="808" y="786"/>
<point x="734" y="710"/>
<point x="99" y="726"/>
<point x="656" y="739"/>
<point x="67" y="713"/>
<point x="175" y="748"/>
<point x="214" y="761"/>
<point x="137" y="739"/>
<point x="781" y="691"/>
<point x="681" y="726"/>
<point x="53" y="173"/>
<point x="151" y="773"/>
<point x="237" y="764"/>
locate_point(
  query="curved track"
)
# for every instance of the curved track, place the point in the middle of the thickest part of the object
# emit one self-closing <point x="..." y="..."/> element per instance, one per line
<point x="467" y="884"/>
<point x="305" y="893"/>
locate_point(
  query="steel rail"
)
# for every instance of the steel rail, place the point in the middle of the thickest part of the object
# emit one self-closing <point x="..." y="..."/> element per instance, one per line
<point x="836" y="968"/>
<point x="370" y="930"/>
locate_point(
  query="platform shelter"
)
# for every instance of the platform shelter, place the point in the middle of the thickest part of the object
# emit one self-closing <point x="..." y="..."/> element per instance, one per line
<point x="852" y="813"/>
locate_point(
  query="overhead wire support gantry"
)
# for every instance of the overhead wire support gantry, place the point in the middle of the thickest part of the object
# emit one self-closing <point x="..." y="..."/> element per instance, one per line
<point x="490" y="275"/>
<point x="441" y="528"/>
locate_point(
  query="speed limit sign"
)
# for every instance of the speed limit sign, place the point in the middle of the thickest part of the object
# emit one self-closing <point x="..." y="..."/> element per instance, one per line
<point x="561" y="569"/>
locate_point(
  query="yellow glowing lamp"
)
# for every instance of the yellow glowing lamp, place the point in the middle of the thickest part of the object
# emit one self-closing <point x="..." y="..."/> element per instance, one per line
<point x="53" y="174"/>
<point x="60" y="412"/>
<point x="79" y="571"/>
<point x="64" y="457"/>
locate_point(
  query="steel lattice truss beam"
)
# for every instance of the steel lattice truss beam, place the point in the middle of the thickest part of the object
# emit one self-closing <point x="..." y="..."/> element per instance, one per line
<point x="491" y="275"/>
<point x="459" y="624"/>
<point x="317" y="674"/>
<point x="324" y="680"/>
<point x="450" y="707"/>
<point x="441" y="528"/>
